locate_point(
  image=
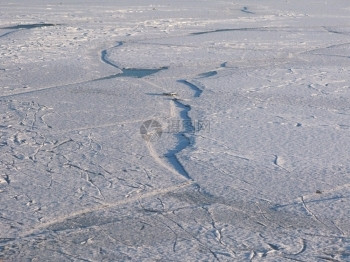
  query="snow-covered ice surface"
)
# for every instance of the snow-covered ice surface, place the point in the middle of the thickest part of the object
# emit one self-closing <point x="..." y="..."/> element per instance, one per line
<point x="257" y="170"/>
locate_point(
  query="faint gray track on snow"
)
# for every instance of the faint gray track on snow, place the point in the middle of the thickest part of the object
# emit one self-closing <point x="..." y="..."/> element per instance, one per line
<point x="334" y="31"/>
<point x="231" y="30"/>
<point x="313" y="29"/>
<point x="43" y="226"/>
<point x="126" y="72"/>
<point x="45" y="88"/>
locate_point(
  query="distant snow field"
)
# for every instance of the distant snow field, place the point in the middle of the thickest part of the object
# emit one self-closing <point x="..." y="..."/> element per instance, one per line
<point x="175" y="130"/>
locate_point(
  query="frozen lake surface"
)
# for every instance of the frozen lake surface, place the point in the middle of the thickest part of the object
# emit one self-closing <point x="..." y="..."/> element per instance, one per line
<point x="175" y="130"/>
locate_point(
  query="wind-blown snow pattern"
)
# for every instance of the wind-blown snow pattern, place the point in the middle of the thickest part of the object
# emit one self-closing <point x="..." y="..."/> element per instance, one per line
<point x="268" y="181"/>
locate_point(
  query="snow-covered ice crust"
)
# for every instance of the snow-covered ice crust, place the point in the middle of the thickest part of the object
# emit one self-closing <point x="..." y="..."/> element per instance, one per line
<point x="174" y="130"/>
